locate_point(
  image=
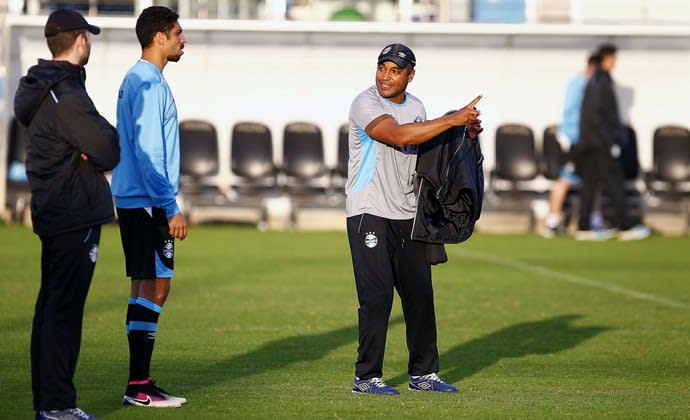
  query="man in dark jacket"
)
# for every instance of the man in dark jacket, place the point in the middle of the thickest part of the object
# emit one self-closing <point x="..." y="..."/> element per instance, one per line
<point x="69" y="147"/>
<point x="600" y="141"/>
<point x="450" y="188"/>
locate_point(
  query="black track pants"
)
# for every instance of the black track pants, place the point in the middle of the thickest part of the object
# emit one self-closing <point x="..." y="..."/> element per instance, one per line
<point x="384" y="258"/>
<point x="67" y="264"/>
<point x="599" y="168"/>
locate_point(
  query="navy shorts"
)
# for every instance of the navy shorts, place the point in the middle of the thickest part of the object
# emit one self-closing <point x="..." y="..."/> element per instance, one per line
<point x="149" y="249"/>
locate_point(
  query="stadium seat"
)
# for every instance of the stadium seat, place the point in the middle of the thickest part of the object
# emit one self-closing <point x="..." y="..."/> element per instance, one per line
<point x="516" y="158"/>
<point x="18" y="193"/>
<point x="305" y="176"/>
<point x="199" y="160"/>
<point x="251" y="155"/>
<point x="198" y="148"/>
<point x="551" y="156"/>
<point x="668" y="182"/>
<point x="251" y="163"/>
<point x="515" y="167"/>
<point x="339" y="175"/>
<point x="671" y="156"/>
<point x="303" y="155"/>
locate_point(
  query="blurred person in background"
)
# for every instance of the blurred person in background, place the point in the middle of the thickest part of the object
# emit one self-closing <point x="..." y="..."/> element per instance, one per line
<point x="69" y="148"/>
<point x="568" y="134"/>
<point x="601" y="132"/>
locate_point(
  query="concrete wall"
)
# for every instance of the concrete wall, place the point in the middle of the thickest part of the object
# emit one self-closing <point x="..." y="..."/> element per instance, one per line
<point x="282" y="72"/>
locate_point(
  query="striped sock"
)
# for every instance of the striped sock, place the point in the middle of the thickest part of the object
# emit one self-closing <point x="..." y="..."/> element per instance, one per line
<point x="131" y="302"/>
<point x="142" y="337"/>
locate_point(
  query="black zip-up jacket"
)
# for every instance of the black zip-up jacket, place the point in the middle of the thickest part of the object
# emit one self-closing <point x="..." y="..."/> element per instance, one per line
<point x="450" y="188"/>
<point x="68" y="193"/>
<point x="600" y="124"/>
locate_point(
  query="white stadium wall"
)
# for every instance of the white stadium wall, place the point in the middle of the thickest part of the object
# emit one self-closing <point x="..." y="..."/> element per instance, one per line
<point x="287" y="71"/>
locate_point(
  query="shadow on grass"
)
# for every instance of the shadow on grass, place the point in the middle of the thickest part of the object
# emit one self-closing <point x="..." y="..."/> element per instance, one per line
<point x="280" y="353"/>
<point x="273" y="355"/>
<point x="548" y="336"/>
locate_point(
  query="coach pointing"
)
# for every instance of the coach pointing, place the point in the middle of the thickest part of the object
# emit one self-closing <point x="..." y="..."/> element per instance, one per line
<point x="386" y="125"/>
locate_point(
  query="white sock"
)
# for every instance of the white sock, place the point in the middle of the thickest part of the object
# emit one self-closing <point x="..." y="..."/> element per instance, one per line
<point x="553" y="220"/>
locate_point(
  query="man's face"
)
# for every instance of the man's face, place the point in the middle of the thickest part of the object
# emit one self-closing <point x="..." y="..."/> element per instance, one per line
<point x="608" y="62"/>
<point x="391" y="80"/>
<point x="175" y="43"/>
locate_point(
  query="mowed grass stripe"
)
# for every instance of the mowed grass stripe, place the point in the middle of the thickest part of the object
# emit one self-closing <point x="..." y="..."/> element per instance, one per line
<point x="568" y="277"/>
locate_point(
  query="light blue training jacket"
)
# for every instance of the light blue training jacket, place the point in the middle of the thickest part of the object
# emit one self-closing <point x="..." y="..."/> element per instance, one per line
<point x="570" y="125"/>
<point x="149" y="169"/>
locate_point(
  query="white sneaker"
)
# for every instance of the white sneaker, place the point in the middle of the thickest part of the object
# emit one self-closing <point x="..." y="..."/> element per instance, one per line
<point x="549" y="232"/>
<point x="635" y="233"/>
<point x="594" y="235"/>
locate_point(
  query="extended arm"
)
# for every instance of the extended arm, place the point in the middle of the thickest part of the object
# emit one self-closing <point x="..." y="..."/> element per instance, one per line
<point x="387" y="130"/>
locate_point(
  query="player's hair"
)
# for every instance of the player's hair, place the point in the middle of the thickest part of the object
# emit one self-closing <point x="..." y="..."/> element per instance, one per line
<point x="594" y="59"/>
<point x="606" y="50"/>
<point x="62" y="42"/>
<point x="152" y="20"/>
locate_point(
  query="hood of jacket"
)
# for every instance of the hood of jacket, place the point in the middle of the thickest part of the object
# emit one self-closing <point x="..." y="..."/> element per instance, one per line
<point x="36" y="85"/>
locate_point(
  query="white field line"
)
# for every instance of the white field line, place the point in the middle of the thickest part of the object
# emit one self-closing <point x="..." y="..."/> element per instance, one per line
<point x="570" y="278"/>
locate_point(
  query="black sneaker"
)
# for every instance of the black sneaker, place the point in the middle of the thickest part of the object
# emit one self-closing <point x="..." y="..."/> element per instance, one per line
<point x="150" y="395"/>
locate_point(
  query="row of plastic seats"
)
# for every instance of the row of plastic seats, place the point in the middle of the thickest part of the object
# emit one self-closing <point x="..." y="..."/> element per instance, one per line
<point x="663" y="188"/>
<point x="251" y="158"/>
<point x="517" y="158"/>
<point x="260" y="190"/>
<point x="251" y="151"/>
<point x="303" y="152"/>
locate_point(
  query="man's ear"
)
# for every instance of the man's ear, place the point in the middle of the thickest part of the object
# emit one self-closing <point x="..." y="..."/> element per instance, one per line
<point x="159" y="38"/>
<point x="410" y="76"/>
<point x="80" y="42"/>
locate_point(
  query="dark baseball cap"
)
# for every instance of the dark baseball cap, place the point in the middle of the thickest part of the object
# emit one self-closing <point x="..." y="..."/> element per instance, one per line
<point x="64" y="20"/>
<point x="399" y="54"/>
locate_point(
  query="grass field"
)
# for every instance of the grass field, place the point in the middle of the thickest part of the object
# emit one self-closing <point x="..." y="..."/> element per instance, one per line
<point x="263" y="325"/>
